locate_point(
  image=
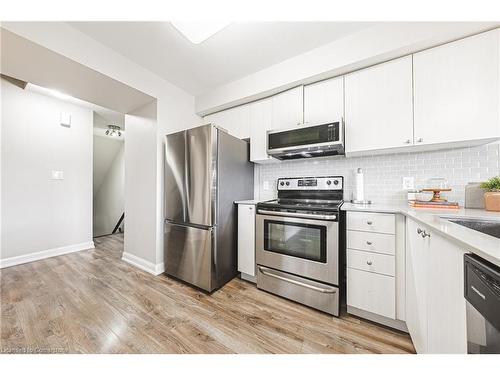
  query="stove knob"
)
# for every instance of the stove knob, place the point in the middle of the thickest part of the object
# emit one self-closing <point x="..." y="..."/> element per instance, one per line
<point x="328" y="182"/>
<point x="336" y="182"/>
<point x="288" y="183"/>
<point x="282" y="183"/>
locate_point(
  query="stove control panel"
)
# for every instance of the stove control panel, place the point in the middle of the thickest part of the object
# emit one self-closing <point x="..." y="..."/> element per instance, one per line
<point x="311" y="183"/>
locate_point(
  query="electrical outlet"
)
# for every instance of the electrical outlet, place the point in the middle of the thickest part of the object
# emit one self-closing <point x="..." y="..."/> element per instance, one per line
<point x="408" y="183"/>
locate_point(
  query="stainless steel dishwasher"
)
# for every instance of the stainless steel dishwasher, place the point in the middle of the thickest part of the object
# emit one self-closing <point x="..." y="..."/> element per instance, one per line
<point x="482" y="292"/>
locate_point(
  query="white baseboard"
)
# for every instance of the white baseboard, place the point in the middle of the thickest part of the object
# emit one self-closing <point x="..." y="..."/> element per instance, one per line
<point x="39" y="255"/>
<point x="145" y="265"/>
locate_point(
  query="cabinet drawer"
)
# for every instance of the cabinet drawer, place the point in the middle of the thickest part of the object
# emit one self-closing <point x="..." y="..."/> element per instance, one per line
<point x="372" y="262"/>
<point x="371" y="292"/>
<point x="371" y="222"/>
<point x="376" y="242"/>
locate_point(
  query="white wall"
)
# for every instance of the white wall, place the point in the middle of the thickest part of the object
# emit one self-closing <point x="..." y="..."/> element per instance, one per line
<point x="175" y="111"/>
<point x="359" y="50"/>
<point x="109" y="189"/>
<point x="39" y="213"/>
<point x="141" y="185"/>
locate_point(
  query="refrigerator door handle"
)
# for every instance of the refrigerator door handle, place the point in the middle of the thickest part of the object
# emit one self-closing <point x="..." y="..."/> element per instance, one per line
<point x="180" y="224"/>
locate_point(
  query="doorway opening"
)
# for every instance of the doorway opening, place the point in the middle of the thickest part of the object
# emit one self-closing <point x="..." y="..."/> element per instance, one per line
<point x="108" y="173"/>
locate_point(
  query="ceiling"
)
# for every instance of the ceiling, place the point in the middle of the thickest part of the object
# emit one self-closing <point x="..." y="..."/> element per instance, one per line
<point x="57" y="72"/>
<point x="232" y="53"/>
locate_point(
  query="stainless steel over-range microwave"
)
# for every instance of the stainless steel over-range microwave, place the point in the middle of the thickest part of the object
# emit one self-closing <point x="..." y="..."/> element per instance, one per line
<point x="306" y="141"/>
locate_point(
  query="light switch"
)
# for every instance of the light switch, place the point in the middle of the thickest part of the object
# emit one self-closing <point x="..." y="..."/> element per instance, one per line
<point x="265" y="185"/>
<point x="65" y="119"/>
<point x="57" y="175"/>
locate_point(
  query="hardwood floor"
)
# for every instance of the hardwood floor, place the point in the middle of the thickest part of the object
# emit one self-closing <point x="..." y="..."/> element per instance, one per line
<point x="93" y="302"/>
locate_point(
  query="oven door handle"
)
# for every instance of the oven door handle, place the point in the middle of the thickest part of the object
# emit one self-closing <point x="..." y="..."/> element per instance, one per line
<point x="296" y="282"/>
<point x="297" y="214"/>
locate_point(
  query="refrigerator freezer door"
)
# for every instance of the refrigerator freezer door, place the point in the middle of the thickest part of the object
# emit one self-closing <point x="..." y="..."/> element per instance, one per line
<point x="190" y="175"/>
<point x="188" y="254"/>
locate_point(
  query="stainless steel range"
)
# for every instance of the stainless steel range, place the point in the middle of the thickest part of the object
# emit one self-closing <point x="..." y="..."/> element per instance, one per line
<point x="298" y="242"/>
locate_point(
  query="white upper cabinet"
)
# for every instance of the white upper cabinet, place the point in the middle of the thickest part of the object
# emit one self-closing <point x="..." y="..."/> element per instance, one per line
<point x="457" y="95"/>
<point x="260" y="123"/>
<point x="235" y="120"/>
<point x="287" y="108"/>
<point x="378" y="107"/>
<point x="324" y="101"/>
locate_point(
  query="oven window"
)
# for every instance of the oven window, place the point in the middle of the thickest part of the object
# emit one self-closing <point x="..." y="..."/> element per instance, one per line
<point x="295" y="239"/>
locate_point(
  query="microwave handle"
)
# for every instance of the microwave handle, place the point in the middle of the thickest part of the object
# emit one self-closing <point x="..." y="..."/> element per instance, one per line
<point x="297" y="214"/>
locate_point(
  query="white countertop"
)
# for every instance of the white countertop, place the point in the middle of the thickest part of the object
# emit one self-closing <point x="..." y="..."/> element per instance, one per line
<point x="486" y="246"/>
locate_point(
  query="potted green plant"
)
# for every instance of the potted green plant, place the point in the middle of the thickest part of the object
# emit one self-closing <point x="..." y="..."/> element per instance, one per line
<point x="492" y="194"/>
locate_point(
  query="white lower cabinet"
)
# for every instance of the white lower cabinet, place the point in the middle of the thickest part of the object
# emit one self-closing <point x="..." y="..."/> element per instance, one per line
<point x="375" y="267"/>
<point x="372" y="292"/>
<point x="435" y="306"/>
<point x="417" y="248"/>
<point x="246" y="239"/>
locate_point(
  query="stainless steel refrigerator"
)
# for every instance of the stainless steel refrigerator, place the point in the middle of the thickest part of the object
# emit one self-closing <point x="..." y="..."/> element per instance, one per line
<point x="206" y="170"/>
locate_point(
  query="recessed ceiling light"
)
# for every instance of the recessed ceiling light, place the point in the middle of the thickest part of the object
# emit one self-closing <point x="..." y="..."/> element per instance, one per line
<point x="199" y="31"/>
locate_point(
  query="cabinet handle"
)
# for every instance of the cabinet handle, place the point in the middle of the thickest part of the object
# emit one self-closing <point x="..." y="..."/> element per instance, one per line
<point x="425" y="234"/>
<point x="419" y="231"/>
<point x="369" y="262"/>
<point x="250" y="208"/>
<point x="420" y="140"/>
<point x="369" y="222"/>
<point x="368" y="242"/>
<point x="407" y="141"/>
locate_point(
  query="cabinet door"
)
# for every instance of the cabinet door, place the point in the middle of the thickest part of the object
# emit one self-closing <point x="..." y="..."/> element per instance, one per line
<point x="260" y="123"/>
<point x="287" y="108"/>
<point x="235" y="120"/>
<point x="246" y="239"/>
<point x="324" y="101"/>
<point x="371" y="292"/>
<point x="417" y="250"/>
<point x="446" y="324"/>
<point x="457" y="90"/>
<point x="379" y="107"/>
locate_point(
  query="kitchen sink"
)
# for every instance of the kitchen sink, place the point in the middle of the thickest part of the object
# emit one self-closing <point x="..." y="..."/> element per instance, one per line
<point x="490" y="227"/>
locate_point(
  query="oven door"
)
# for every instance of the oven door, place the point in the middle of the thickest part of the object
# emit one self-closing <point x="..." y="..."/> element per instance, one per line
<point x="301" y="246"/>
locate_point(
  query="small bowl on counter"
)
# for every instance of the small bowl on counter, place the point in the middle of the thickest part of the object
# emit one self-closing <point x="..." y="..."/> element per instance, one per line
<point x="424" y="196"/>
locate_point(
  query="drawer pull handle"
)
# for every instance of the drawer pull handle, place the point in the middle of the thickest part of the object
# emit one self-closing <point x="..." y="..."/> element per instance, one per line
<point x="369" y="262"/>
<point x="369" y="242"/>
<point x="267" y="272"/>
<point x="369" y="222"/>
<point x="419" y="231"/>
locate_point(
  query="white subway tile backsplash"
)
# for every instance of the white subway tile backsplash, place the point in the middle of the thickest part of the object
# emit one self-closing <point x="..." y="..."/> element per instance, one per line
<point x="384" y="173"/>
